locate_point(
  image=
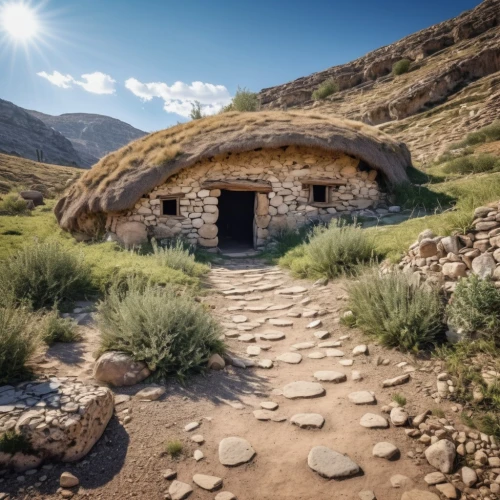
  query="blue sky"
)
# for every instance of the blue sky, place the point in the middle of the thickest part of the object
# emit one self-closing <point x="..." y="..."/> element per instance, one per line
<point x="134" y="51"/>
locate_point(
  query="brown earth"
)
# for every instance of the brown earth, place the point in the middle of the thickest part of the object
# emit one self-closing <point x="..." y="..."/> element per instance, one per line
<point x="129" y="459"/>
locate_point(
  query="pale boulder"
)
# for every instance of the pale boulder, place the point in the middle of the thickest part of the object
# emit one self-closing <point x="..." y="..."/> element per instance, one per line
<point x="484" y="266"/>
<point x="454" y="270"/>
<point x="208" y="231"/>
<point x="131" y="234"/>
<point x="441" y="455"/>
<point x="119" y="369"/>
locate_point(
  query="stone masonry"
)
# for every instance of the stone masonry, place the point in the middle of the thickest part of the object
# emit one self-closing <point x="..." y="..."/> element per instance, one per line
<point x="288" y="204"/>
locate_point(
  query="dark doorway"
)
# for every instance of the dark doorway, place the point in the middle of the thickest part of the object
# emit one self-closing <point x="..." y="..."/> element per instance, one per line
<point x="235" y="222"/>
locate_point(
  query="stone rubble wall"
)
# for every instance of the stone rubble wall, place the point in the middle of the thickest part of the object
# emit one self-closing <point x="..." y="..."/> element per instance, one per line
<point x="61" y="419"/>
<point x="444" y="260"/>
<point x="287" y="205"/>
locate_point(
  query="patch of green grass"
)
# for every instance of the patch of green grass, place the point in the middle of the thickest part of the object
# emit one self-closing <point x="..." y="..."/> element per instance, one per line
<point x="401" y="67"/>
<point x="473" y="164"/>
<point x="325" y="89"/>
<point x="489" y="133"/>
<point x="399" y="399"/>
<point x="414" y="196"/>
<point x="285" y="240"/>
<point x="12" y="442"/>
<point x="438" y="412"/>
<point x="13" y="204"/>
<point x="174" y="448"/>
<point x="180" y="256"/>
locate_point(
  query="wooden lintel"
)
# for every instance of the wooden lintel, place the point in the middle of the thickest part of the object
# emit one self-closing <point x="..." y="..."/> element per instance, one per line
<point x="322" y="181"/>
<point x="170" y="196"/>
<point x="239" y="185"/>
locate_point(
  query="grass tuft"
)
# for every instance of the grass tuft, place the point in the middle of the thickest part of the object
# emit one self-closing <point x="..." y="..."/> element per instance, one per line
<point x="401" y="67"/>
<point x="399" y="399"/>
<point x="325" y="89"/>
<point x="53" y="328"/>
<point x="174" y="448"/>
<point x="179" y="255"/>
<point x="473" y="164"/>
<point x="13" y="204"/>
<point x="12" y="442"/>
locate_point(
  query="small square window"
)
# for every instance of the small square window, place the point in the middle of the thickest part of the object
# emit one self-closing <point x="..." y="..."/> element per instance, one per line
<point x="319" y="194"/>
<point x="170" y="206"/>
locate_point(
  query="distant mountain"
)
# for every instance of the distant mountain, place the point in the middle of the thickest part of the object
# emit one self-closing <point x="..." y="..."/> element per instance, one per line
<point x="93" y="136"/>
<point x="22" y="134"/>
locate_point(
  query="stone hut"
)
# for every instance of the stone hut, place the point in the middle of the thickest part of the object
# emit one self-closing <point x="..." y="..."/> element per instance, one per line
<point x="234" y="179"/>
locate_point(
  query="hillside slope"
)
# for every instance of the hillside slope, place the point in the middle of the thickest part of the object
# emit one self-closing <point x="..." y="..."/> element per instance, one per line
<point x="93" y="136"/>
<point x="21" y="134"/>
<point x="453" y="86"/>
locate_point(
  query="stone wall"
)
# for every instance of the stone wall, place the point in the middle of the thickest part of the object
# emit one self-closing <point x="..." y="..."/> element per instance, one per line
<point x="288" y="204"/>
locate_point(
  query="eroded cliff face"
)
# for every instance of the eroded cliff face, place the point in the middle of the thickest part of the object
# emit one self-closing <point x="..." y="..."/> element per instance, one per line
<point x="453" y="85"/>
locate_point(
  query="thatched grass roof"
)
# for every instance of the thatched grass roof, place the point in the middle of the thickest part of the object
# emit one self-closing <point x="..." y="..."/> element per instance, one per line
<point x="119" y="179"/>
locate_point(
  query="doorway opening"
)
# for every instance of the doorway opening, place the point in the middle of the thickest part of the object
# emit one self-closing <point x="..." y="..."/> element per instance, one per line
<point x="236" y="217"/>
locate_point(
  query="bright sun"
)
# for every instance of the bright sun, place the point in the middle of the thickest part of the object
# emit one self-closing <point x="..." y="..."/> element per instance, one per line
<point x="19" y="21"/>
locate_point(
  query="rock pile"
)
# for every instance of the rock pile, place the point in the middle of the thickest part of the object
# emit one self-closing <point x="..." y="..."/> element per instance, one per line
<point x="444" y="260"/>
<point x="58" y="419"/>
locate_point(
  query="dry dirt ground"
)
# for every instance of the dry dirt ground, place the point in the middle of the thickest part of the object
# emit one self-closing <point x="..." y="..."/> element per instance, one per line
<point x="129" y="459"/>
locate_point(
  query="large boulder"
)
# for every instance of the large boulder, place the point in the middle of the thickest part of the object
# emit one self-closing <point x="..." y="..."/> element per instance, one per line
<point x="427" y="248"/>
<point x="441" y="455"/>
<point x="484" y="266"/>
<point x="63" y="422"/>
<point x="119" y="369"/>
<point x="132" y="233"/>
<point x="35" y="196"/>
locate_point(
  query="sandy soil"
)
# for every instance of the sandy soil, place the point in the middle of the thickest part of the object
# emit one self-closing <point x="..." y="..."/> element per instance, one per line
<point x="129" y="459"/>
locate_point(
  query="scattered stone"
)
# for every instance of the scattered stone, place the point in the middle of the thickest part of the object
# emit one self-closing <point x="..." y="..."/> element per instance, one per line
<point x="331" y="464"/>
<point x="356" y="376"/>
<point x="314" y="324"/>
<point x="281" y="322"/>
<point x="447" y="489"/>
<point x="122" y="398"/>
<point x="359" y="350"/>
<point x="373" y="421"/>
<point x="253" y="350"/>
<point x="272" y="335"/>
<point x="235" y="451"/>
<point x="346" y="362"/>
<point x="301" y="389"/>
<point x="402" y="379"/>
<point x="400" y="481"/>
<point x="441" y="455"/>
<point x="198" y="438"/>
<point x="68" y="480"/>
<point x="239" y="318"/>
<point x="434" y="478"/>
<point x="198" y="455"/>
<point x="216" y="362"/>
<point x="150" y="393"/>
<point x="119" y="369"/>
<point x="330" y="376"/>
<point x="385" y="450"/>
<point x="367" y="495"/>
<point x="308" y="420"/>
<point x="290" y="357"/>
<point x="169" y="474"/>
<point x="292" y="290"/>
<point x="469" y="476"/>
<point x="191" y="426"/>
<point x="263" y="414"/>
<point x="265" y="363"/>
<point x="362" y="398"/>
<point x="316" y="355"/>
<point x="334" y="353"/>
<point x="399" y="416"/>
<point x="225" y="495"/>
<point x="322" y="334"/>
<point x="208" y="483"/>
<point x="303" y="345"/>
<point x="269" y="405"/>
<point x="179" y="490"/>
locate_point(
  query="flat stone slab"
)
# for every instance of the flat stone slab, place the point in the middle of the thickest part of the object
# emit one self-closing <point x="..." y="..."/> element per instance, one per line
<point x="269" y="405"/>
<point x="292" y="358"/>
<point x="280" y="322"/>
<point x="179" y="490"/>
<point x="334" y="353"/>
<point x="322" y="334"/>
<point x="263" y="415"/>
<point x="330" y="376"/>
<point x="362" y="398"/>
<point x="191" y="426"/>
<point x="303" y="345"/>
<point x="291" y="291"/>
<point x="331" y="464"/>
<point x="314" y="324"/>
<point x="235" y="451"/>
<point x="329" y="343"/>
<point x="373" y="421"/>
<point x="257" y="308"/>
<point x="271" y="335"/>
<point x="265" y="363"/>
<point x="239" y="318"/>
<point x="280" y="307"/>
<point x="253" y="350"/>
<point x="208" y="483"/>
<point x="402" y="379"/>
<point x="316" y="355"/>
<point x="346" y="362"/>
<point x="385" y="450"/>
<point x="360" y="350"/>
<point x="308" y="420"/>
<point x="247" y="337"/>
<point x="301" y="389"/>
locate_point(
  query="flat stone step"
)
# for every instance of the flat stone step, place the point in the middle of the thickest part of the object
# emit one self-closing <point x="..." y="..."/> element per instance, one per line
<point x="303" y="345"/>
<point x="308" y="420"/>
<point x="292" y="358"/>
<point x="373" y="421"/>
<point x="302" y="390"/>
<point x="330" y="376"/>
<point x="362" y="397"/>
<point x="331" y="464"/>
<point x="280" y="322"/>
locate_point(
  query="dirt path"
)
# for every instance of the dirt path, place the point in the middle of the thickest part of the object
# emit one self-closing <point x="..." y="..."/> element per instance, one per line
<point x="129" y="460"/>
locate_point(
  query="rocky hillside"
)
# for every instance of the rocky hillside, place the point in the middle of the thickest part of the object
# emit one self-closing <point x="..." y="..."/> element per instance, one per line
<point x="21" y="134"/>
<point x="93" y="136"/>
<point x="452" y="87"/>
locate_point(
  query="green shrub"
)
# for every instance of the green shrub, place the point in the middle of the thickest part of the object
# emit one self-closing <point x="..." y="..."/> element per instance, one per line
<point x="179" y="256"/>
<point x="19" y="340"/>
<point x="401" y="67"/>
<point x="475" y="307"/>
<point x="53" y="328"/>
<point x="196" y="112"/>
<point x="44" y="274"/>
<point x="174" y="448"/>
<point x="13" y="204"/>
<point x="171" y="333"/>
<point x="327" y="88"/>
<point x="489" y="133"/>
<point x="399" y="399"/>
<point x="396" y="309"/>
<point x="243" y="100"/>
<point x="338" y="249"/>
<point x="473" y="164"/>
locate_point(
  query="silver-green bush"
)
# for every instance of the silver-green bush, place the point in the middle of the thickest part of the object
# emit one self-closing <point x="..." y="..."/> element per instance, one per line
<point x="13" y="204"/>
<point x="179" y="256"/>
<point x="396" y="309"/>
<point x="53" y="328"/>
<point x="167" y="330"/>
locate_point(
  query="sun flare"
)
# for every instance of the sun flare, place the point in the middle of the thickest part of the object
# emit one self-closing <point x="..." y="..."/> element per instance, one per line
<point x="19" y="21"/>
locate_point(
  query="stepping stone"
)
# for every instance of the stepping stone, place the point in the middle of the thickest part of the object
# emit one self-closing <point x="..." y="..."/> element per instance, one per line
<point x="265" y="363"/>
<point x="345" y="337"/>
<point x="279" y="307"/>
<point x="308" y="420"/>
<point x="247" y="327"/>
<point x="305" y="301"/>
<point x="208" y="483"/>
<point x="356" y="376"/>
<point x="281" y="322"/>
<point x="292" y="358"/>
<point x="316" y="355"/>
<point x="225" y="495"/>
<point x="447" y="489"/>
<point x="331" y="464"/>
<point x="303" y="345"/>
<point x="271" y="335"/>
<point x="150" y="393"/>
<point x="359" y="350"/>
<point x="179" y="490"/>
<point x="330" y="376"/>
<point x="314" y="324"/>
<point x="119" y="399"/>
<point x="263" y="414"/>
<point x="253" y="350"/>
<point x="198" y="438"/>
<point x="293" y="314"/>
<point x="367" y="495"/>
<point x="329" y="343"/>
<point x="198" y="455"/>
<point x="232" y="334"/>
<point x="269" y="405"/>
<point x="239" y="318"/>
<point x="252" y="298"/>
<point x="346" y="362"/>
<point x="385" y="450"/>
<point x="402" y="379"/>
<point x="246" y="337"/>
<point x="291" y="291"/>
<point x="301" y="389"/>
<point x="169" y="474"/>
<point x="436" y="478"/>
<point x="191" y="426"/>
<point x="398" y="416"/>
<point x="322" y="334"/>
<point x="235" y="451"/>
<point x="400" y="481"/>
<point x="256" y="308"/>
<point x="235" y="308"/>
<point x="265" y="288"/>
<point x="309" y="313"/>
<point x="334" y="353"/>
<point x="373" y="421"/>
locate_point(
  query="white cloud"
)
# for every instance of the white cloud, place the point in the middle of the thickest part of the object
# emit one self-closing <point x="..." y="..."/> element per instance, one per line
<point x="96" y="83"/>
<point x="179" y="97"/>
